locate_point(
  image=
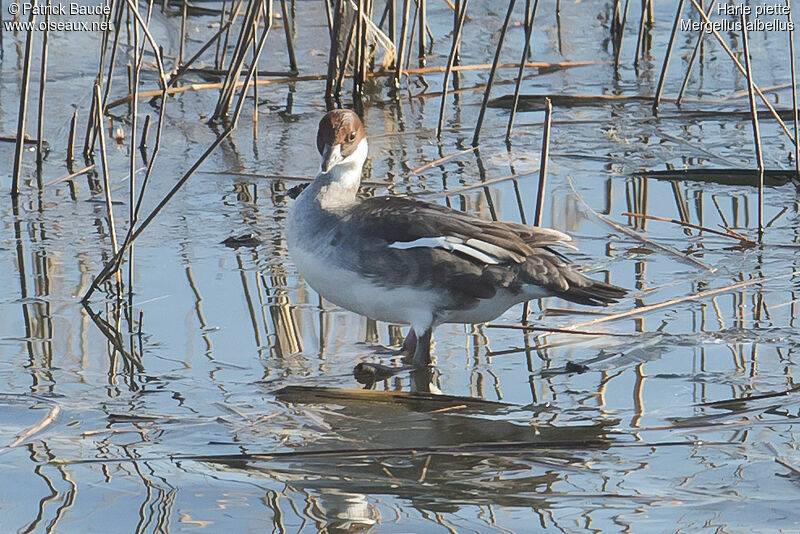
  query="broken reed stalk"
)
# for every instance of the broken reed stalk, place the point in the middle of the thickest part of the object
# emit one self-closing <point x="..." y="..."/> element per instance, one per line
<point x="91" y="133"/>
<point x="71" y="175"/>
<point x="451" y="58"/>
<point x="697" y="46"/>
<point x="120" y="7"/>
<point x="333" y="57"/>
<point x="472" y="187"/>
<point x="329" y="15"/>
<point x="106" y="182"/>
<point x="287" y="30"/>
<point x="71" y="139"/>
<point x="728" y="233"/>
<point x="794" y="92"/>
<point x="254" y="66"/>
<point x="222" y="27"/>
<point x="402" y="45"/>
<point x="665" y="65"/>
<point x="620" y="33"/>
<point x="457" y="59"/>
<point x="490" y="81"/>
<point x="413" y="34"/>
<point x="358" y="62"/>
<point x="530" y="16"/>
<point x="184" y="7"/>
<point x="48" y="419"/>
<point x="548" y="330"/>
<point x="23" y="105"/>
<point x="337" y="88"/>
<point x="145" y="131"/>
<point x="224" y="49"/>
<point x="742" y="70"/>
<point x="441" y="160"/>
<point x="423" y="24"/>
<point x="537" y="217"/>
<point x="114" y="263"/>
<point x="235" y="69"/>
<point x="137" y="67"/>
<point x="756" y="133"/>
<point x="42" y="85"/>
<point x="640" y="36"/>
<point x="392" y="12"/>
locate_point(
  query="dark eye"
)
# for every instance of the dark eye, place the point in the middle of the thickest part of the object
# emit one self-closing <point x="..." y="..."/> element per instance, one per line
<point x="351" y="137"/>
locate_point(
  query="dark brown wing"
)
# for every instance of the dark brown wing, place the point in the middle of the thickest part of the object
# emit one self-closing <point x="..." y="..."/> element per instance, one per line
<point x="399" y="241"/>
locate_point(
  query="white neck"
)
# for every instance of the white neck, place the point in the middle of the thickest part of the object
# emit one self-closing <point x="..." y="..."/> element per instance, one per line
<point x="340" y="184"/>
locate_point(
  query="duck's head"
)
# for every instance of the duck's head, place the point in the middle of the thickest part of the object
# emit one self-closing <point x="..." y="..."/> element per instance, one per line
<point x="341" y="141"/>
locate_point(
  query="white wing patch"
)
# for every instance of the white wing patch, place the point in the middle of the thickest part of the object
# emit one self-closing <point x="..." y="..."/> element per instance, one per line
<point x="474" y="248"/>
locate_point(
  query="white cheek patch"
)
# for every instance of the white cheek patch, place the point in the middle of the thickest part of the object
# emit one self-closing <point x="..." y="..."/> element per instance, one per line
<point x="456" y="244"/>
<point x="359" y="155"/>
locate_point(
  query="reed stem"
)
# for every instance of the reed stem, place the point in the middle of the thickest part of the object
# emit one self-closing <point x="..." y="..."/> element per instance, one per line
<point x="23" y="105"/>
<point x="756" y="133"/>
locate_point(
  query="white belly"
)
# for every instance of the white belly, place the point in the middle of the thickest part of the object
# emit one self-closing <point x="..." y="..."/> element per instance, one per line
<point x="490" y="309"/>
<point x="350" y="291"/>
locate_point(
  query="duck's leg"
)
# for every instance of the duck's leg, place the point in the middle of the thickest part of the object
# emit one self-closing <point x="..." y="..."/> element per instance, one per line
<point x="422" y="351"/>
<point x="416" y="350"/>
<point x="409" y="343"/>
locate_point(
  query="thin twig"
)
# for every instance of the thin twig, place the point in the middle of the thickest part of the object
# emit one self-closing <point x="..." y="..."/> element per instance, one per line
<point x="685" y="298"/>
<point x="46" y="421"/>
<point x="441" y="160"/>
<point x="728" y="233"/>
<point x="549" y="330"/>
<point x="459" y="190"/>
<point x="636" y="235"/>
<point x="72" y="175"/>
